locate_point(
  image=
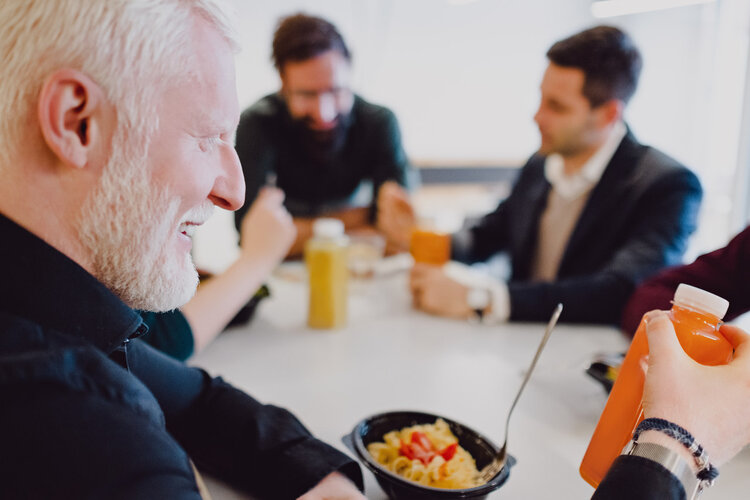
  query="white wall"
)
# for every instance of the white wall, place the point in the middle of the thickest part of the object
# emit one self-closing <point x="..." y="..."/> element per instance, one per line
<point x="463" y="79"/>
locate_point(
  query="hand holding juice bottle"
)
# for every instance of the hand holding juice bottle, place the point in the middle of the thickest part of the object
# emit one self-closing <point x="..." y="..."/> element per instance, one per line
<point x="696" y="316"/>
<point x="709" y="401"/>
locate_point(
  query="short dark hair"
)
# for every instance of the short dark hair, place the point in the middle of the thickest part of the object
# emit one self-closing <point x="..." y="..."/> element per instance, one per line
<point x="610" y="61"/>
<point x="300" y="37"/>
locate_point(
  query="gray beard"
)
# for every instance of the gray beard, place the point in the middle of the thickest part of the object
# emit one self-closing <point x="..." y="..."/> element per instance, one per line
<point x="125" y="225"/>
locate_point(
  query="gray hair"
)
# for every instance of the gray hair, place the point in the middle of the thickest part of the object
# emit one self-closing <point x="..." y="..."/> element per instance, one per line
<point x="133" y="49"/>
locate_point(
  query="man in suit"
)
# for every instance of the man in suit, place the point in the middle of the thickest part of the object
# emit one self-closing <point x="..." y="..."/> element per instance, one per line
<point x="593" y="213"/>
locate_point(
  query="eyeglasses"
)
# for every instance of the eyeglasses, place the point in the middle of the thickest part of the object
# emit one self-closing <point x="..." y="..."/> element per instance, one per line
<point x="311" y="97"/>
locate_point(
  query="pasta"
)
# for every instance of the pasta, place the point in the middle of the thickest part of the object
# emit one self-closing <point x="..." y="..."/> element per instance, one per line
<point x="428" y="454"/>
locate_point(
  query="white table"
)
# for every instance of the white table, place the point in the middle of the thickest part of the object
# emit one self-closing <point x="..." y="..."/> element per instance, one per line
<point x="391" y="357"/>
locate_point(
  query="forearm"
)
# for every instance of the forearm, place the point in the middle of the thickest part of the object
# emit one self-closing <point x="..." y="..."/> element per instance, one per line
<point x="259" y="448"/>
<point x="597" y="298"/>
<point x="353" y="218"/>
<point x="599" y="294"/>
<point x="304" y="233"/>
<point x="481" y="241"/>
<point x="217" y="300"/>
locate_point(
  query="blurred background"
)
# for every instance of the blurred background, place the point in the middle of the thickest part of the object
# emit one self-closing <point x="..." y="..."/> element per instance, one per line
<point x="463" y="78"/>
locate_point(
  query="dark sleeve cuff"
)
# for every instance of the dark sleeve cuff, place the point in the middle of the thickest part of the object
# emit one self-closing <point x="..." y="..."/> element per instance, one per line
<point x="638" y="478"/>
<point x="262" y="449"/>
<point x="461" y="243"/>
<point x="310" y="461"/>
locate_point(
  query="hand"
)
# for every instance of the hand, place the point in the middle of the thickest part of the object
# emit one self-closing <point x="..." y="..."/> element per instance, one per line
<point x="335" y="486"/>
<point x="711" y="402"/>
<point x="395" y="217"/>
<point x="434" y="292"/>
<point x="267" y="230"/>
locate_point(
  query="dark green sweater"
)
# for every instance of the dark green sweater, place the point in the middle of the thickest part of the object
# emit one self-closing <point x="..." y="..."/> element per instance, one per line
<point x="372" y="154"/>
<point x="170" y="333"/>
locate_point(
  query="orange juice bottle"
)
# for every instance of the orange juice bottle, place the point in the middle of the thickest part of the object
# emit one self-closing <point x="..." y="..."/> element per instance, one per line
<point x="696" y="315"/>
<point x="326" y="260"/>
<point x="430" y="246"/>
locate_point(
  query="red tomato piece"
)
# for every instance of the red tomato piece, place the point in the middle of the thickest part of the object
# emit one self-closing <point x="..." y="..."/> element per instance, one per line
<point x="420" y="448"/>
<point x="449" y="451"/>
<point x="421" y="439"/>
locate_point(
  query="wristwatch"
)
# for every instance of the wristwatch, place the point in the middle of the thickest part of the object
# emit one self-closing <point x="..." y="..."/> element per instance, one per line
<point x="478" y="299"/>
<point x="671" y="461"/>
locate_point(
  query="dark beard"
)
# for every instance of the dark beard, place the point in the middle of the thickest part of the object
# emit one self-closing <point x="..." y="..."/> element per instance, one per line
<point x="321" y="146"/>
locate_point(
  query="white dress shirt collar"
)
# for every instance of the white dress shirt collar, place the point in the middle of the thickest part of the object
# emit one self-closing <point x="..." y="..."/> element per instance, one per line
<point x="572" y="186"/>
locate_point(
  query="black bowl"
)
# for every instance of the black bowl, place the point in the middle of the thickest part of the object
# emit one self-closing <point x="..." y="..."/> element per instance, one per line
<point x="398" y="488"/>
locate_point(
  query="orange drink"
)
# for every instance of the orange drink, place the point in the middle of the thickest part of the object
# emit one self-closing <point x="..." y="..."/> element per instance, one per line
<point x="326" y="260"/>
<point x="430" y="247"/>
<point x="696" y="315"/>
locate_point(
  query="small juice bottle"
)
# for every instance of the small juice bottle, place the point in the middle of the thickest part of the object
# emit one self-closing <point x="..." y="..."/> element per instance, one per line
<point x="696" y="315"/>
<point x="326" y="260"/>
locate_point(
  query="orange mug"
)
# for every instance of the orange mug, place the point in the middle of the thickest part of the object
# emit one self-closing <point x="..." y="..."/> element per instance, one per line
<point x="430" y="247"/>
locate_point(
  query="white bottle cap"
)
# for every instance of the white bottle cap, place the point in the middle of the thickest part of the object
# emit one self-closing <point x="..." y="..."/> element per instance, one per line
<point x="701" y="300"/>
<point x="328" y="228"/>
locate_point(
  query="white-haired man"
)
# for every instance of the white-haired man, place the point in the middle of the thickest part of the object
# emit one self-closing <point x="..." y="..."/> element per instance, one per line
<point x="115" y="120"/>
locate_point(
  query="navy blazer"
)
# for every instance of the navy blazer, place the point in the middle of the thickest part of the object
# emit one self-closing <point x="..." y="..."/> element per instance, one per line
<point x="636" y="221"/>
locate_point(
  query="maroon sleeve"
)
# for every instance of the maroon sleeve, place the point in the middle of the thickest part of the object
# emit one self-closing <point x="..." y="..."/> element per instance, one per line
<point x="724" y="272"/>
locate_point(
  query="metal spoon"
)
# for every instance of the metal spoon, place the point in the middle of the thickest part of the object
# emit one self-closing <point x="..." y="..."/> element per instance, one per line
<point x="491" y="469"/>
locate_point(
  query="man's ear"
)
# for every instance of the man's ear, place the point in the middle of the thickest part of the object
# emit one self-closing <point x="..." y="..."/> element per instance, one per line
<point x="611" y="111"/>
<point x="284" y="89"/>
<point x="69" y="104"/>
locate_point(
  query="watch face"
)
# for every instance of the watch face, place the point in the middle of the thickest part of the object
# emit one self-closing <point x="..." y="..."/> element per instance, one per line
<point x="478" y="298"/>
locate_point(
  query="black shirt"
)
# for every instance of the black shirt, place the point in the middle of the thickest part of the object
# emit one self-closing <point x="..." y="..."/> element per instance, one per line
<point x="91" y="411"/>
<point x="638" y="478"/>
<point x="268" y="143"/>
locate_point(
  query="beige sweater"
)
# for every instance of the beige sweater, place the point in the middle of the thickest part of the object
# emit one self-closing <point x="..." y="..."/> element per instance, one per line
<point x="555" y="228"/>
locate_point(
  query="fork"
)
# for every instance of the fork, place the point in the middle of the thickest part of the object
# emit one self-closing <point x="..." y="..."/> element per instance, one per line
<point x="490" y="470"/>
